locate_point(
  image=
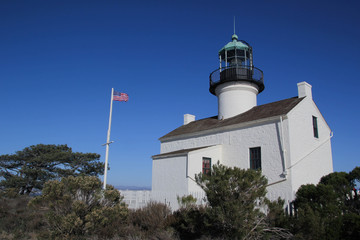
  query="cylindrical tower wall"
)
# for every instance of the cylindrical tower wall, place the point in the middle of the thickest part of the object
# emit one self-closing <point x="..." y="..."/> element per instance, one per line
<point x="235" y="98"/>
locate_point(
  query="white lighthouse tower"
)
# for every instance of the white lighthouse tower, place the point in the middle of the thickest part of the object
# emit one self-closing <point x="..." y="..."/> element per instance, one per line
<point x="237" y="82"/>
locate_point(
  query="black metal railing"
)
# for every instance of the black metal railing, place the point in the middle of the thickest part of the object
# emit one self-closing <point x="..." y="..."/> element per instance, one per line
<point x="236" y="73"/>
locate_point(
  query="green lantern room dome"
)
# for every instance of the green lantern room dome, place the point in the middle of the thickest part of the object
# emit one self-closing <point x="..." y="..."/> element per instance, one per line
<point x="235" y="44"/>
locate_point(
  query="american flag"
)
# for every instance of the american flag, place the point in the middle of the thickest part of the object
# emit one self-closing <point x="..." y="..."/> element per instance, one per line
<point x="118" y="96"/>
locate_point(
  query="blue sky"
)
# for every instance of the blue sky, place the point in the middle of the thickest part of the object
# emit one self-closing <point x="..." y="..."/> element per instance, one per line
<point x="60" y="59"/>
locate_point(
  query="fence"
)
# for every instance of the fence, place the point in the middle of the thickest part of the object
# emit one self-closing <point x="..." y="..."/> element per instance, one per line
<point x="136" y="199"/>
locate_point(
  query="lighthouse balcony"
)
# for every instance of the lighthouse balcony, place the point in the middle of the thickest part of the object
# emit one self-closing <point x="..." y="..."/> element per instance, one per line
<point x="236" y="74"/>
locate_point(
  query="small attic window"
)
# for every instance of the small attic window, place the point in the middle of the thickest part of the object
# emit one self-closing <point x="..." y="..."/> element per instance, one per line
<point x="315" y="127"/>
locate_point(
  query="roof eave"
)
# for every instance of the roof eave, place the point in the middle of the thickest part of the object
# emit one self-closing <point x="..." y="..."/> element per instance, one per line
<point x="221" y="129"/>
<point x="178" y="153"/>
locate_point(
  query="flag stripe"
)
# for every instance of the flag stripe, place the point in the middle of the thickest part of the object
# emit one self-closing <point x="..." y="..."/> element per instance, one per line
<point x="118" y="96"/>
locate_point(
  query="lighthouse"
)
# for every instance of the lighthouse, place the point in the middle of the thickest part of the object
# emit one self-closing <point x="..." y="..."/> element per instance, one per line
<point x="287" y="140"/>
<point x="236" y="83"/>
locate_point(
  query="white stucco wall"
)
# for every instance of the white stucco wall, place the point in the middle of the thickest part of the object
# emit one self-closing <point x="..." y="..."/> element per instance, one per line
<point x="169" y="174"/>
<point x="235" y="151"/>
<point x="169" y="180"/>
<point x="194" y="142"/>
<point x="268" y="137"/>
<point x="195" y="163"/>
<point x="175" y="176"/>
<point x="310" y="157"/>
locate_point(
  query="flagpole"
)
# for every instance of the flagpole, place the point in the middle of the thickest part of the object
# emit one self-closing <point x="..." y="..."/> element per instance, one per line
<point x="108" y="139"/>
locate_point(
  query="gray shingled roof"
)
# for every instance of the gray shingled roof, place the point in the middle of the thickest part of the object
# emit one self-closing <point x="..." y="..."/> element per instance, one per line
<point x="256" y="113"/>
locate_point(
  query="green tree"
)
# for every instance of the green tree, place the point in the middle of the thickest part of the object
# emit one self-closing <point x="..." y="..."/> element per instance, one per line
<point x="237" y="203"/>
<point x="77" y="207"/>
<point x="30" y="168"/>
<point x="330" y="209"/>
<point x="318" y="212"/>
<point x="344" y="187"/>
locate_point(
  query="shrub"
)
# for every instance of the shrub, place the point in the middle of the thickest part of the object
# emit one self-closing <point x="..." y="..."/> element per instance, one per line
<point x="16" y="219"/>
<point x="186" y="201"/>
<point x="191" y="222"/>
<point x="152" y="222"/>
<point x="77" y="207"/>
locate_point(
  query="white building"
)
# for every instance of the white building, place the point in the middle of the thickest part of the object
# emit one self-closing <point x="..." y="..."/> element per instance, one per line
<point x="288" y="140"/>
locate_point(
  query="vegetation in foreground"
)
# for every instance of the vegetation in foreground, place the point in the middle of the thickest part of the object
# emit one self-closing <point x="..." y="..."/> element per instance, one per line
<point x="74" y="206"/>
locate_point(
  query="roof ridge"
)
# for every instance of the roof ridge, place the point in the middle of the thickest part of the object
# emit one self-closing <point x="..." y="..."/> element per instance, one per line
<point x="262" y="105"/>
<point x="263" y="111"/>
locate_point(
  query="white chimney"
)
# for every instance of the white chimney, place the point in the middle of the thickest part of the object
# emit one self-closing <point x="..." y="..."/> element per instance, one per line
<point x="188" y="118"/>
<point x="304" y="90"/>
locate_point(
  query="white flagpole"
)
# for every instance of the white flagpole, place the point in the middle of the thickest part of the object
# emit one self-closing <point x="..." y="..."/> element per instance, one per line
<point x="108" y="139"/>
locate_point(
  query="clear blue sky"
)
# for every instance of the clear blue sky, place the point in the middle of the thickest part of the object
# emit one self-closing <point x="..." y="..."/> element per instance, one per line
<point x="60" y="59"/>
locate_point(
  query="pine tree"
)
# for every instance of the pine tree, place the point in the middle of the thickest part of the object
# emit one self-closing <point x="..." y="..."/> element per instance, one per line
<point x="27" y="170"/>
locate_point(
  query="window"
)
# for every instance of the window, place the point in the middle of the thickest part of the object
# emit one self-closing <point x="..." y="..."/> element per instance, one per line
<point x="206" y="166"/>
<point x="315" y="127"/>
<point x="255" y="158"/>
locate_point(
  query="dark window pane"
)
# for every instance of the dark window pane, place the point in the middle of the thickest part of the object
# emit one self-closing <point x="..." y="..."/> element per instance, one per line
<point x="206" y="166"/>
<point x="255" y="158"/>
<point x="315" y="127"/>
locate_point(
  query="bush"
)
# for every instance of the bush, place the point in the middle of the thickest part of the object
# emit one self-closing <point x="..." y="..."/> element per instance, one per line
<point x="77" y="207"/>
<point x="16" y="219"/>
<point x="191" y="222"/>
<point x="186" y="201"/>
<point x="152" y="222"/>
